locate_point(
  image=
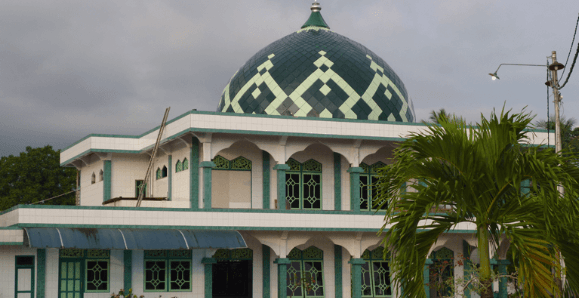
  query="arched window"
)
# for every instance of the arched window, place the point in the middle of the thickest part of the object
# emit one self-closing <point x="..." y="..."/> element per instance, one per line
<point x="376" y="274"/>
<point x="164" y="173"/>
<point x="304" y="184"/>
<point x="101" y="174"/>
<point x="185" y="164"/>
<point x="178" y="166"/>
<point x="159" y="174"/>
<point x="306" y="268"/>
<point x="93" y="178"/>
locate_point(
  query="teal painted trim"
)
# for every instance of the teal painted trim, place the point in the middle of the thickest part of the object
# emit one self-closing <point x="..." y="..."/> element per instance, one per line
<point x="266" y="176"/>
<point x="170" y="176"/>
<point x="355" y="188"/>
<point x="338" y="270"/>
<point x="357" y="276"/>
<point x="41" y="273"/>
<point x="194" y="174"/>
<point x="208" y="276"/>
<point x="426" y="277"/>
<point x="107" y="180"/>
<point x="281" y="199"/>
<point x="10" y="228"/>
<point x="11" y="243"/>
<point x="265" y="252"/>
<point x="128" y="262"/>
<point x="467" y="265"/>
<point x="337" y="181"/>
<point x="206" y="164"/>
<point x="207" y="170"/>
<point x="126" y="136"/>
<point x="281" y="276"/>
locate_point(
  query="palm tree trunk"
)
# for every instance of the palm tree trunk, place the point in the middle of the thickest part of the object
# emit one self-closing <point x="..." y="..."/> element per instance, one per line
<point x="485" y="261"/>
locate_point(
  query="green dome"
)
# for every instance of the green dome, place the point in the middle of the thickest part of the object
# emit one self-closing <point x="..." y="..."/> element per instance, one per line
<point x="315" y="72"/>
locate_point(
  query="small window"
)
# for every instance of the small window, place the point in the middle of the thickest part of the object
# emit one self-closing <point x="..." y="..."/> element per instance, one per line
<point x="178" y="166"/>
<point x="101" y="174"/>
<point x="159" y="174"/>
<point x="185" y="164"/>
<point x="138" y="184"/>
<point x="164" y="173"/>
<point x="93" y="179"/>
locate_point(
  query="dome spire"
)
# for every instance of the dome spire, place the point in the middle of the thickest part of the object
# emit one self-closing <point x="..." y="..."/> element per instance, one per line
<point x="316" y="19"/>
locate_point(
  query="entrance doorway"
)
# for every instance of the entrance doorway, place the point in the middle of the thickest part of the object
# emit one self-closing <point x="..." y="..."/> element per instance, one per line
<point x="71" y="278"/>
<point x="233" y="274"/>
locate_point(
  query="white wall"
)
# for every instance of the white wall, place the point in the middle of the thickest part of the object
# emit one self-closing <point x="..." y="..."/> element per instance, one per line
<point x="125" y="170"/>
<point x="8" y="267"/>
<point x="180" y="180"/>
<point x="91" y="194"/>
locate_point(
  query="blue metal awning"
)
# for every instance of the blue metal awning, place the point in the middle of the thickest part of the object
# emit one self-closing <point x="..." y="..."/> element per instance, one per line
<point x="95" y="238"/>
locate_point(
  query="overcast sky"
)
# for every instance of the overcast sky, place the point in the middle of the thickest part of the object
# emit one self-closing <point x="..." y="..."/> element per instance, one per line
<point x="71" y="68"/>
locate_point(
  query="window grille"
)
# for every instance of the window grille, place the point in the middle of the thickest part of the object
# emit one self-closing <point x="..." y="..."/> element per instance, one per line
<point x="304" y="184"/>
<point x="167" y="271"/>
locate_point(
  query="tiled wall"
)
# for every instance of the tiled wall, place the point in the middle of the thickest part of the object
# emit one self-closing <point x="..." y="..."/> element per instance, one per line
<point x="126" y="168"/>
<point x="7" y="267"/>
<point x="180" y="192"/>
<point x="91" y="194"/>
<point x="11" y="235"/>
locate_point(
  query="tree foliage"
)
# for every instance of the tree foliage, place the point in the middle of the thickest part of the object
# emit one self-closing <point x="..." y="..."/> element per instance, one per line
<point x="33" y="176"/>
<point x="569" y="134"/>
<point x="478" y="171"/>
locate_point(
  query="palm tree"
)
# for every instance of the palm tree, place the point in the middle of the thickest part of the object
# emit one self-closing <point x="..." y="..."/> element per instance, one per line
<point x="435" y="116"/>
<point x="478" y="173"/>
<point x="569" y="135"/>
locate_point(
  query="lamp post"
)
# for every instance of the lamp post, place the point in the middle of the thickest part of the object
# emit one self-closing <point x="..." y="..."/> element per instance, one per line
<point x="554" y="84"/>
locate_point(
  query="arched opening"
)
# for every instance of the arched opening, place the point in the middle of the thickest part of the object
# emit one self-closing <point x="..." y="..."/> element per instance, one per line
<point x="376" y="274"/>
<point x="441" y="271"/>
<point x="185" y="164"/>
<point x="93" y="179"/>
<point x="178" y="166"/>
<point x="305" y="273"/>
<point x="164" y="172"/>
<point x="158" y="174"/>
<point x="233" y="273"/>
<point x="101" y="174"/>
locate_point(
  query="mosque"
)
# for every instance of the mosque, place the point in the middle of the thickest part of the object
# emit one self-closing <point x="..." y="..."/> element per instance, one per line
<point x="269" y="196"/>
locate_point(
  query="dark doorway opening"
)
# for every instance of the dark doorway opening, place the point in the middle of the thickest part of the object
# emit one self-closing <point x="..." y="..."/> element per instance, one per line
<point x="232" y="279"/>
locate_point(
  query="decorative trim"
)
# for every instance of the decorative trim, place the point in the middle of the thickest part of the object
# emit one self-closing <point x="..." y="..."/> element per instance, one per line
<point x="265" y="252"/>
<point x="170" y="181"/>
<point x="194" y="174"/>
<point x="107" y="180"/>
<point x="338" y="270"/>
<point x="128" y="263"/>
<point x="41" y="273"/>
<point x="337" y="183"/>
<point x="266" y="178"/>
<point x="207" y="164"/>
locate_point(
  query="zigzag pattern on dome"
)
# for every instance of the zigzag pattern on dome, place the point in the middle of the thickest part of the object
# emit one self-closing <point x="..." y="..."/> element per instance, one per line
<point x="315" y="72"/>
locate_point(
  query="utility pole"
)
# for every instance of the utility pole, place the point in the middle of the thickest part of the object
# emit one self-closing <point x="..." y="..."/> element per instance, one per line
<point x="557" y="99"/>
<point x="554" y="67"/>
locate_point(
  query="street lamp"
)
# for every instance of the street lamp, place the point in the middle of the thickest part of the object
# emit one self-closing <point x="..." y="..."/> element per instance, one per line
<point x="554" y="67"/>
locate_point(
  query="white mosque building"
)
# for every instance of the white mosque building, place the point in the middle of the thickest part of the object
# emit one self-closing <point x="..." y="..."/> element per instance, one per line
<point x="270" y="196"/>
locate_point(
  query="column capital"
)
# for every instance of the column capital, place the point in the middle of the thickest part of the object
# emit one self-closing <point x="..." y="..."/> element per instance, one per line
<point x="281" y="167"/>
<point x="357" y="261"/>
<point x="428" y="262"/>
<point x="208" y="261"/>
<point x="206" y="164"/>
<point x="282" y="261"/>
<point x="355" y="170"/>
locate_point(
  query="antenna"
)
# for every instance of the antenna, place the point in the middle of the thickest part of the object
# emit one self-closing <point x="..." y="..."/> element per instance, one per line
<point x="153" y="154"/>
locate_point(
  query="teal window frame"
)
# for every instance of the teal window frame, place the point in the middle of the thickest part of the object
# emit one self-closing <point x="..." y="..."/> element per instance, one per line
<point x="167" y="257"/>
<point x="526" y="187"/>
<point x="307" y="264"/>
<point x="301" y="172"/>
<point x="185" y="164"/>
<point x="18" y="266"/>
<point x="368" y="187"/>
<point x="178" y="166"/>
<point x="138" y="184"/>
<point x="86" y="256"/>
<point x="376" y="280"/>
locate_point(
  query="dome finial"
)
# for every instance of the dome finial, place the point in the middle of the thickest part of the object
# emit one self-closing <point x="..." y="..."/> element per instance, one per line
<point x="316" y="7"/>
<point x="316" y="19"/>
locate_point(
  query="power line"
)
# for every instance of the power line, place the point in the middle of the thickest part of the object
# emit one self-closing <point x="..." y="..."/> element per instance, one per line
<point x="574" y="59"/>
<point x="54" y="197"/>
